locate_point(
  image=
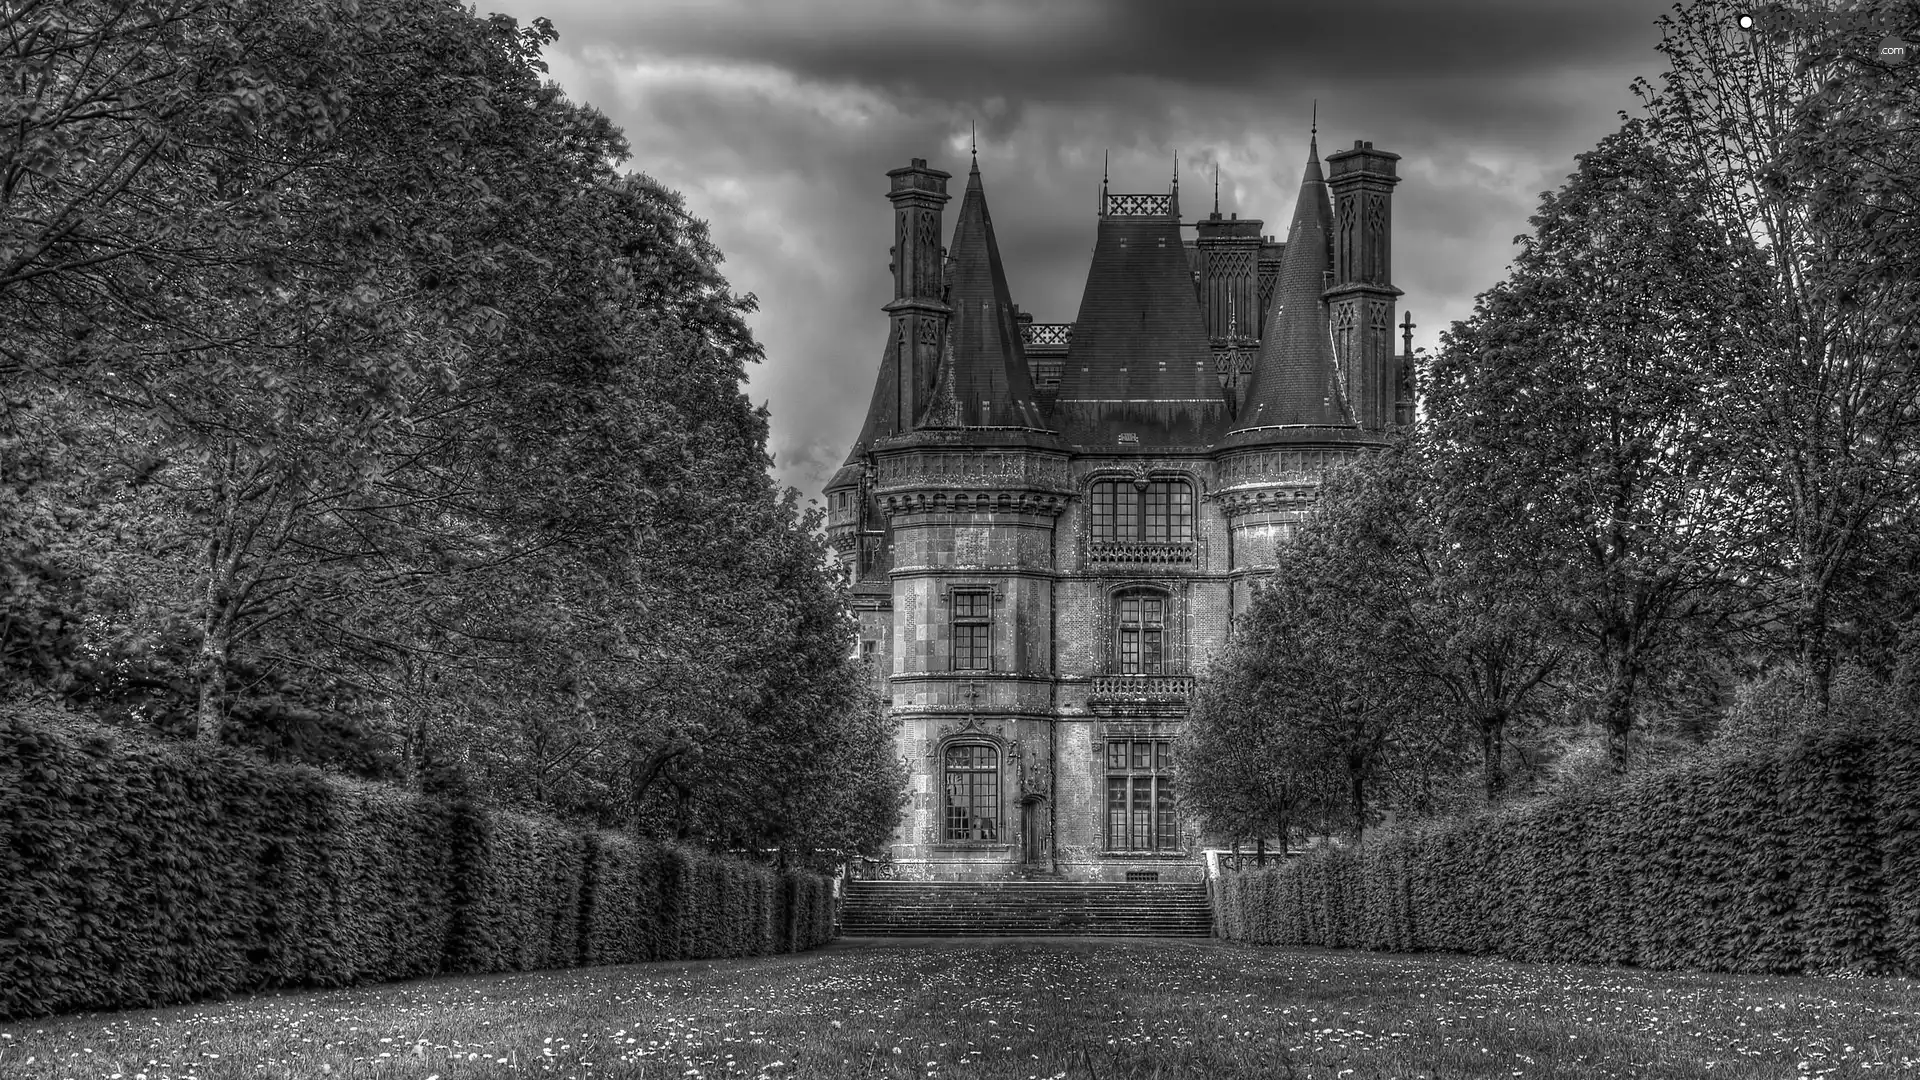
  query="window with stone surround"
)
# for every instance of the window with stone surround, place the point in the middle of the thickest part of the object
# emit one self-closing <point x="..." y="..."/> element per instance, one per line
<point x="1140" y="815"/>
<point x="972" y="629"/>
<point x="1140" y="632"/>
<point x="1123" y="511"/>
<point x="971" y="778"/>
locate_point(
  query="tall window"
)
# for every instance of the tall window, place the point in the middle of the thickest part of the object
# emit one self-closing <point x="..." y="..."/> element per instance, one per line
<point x="1140" y="796"/>
<point x="1141" y="624"/>
<point x="973" y="792"/>
<point x="1160" y="514"/>
<point x="972" y="629"/>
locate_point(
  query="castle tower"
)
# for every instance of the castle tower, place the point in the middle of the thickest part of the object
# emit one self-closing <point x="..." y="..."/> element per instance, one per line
<point x="968" y="493"/>
<point x="1297" y="417"/>
<point x="1361" y="300"/>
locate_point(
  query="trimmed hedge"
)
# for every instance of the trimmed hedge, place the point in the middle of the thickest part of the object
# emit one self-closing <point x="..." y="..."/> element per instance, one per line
<point x="1796" y="858"/>
<point x="135" y="873"/>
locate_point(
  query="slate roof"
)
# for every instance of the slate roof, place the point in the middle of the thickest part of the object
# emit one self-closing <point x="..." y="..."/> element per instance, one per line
<point x="984" y="370"/>
<point x="1139" y="361"/>
<point x="881" y="411"/>
<point x="1294" y="381"/>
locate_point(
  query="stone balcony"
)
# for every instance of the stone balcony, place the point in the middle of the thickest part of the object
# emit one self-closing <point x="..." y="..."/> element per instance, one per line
<point x="1132" y="553"/>
<point x="1140" y="695"/>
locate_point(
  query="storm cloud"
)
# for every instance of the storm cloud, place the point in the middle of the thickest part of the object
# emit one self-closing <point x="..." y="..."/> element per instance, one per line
<point x="779" y="120"/>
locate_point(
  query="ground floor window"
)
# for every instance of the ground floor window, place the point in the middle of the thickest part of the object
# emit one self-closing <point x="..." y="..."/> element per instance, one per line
<point x="973" y="792"/>
<point x="1140" y="813"/>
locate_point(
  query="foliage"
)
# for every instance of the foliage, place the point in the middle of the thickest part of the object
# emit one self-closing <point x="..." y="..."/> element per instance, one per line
<point x="140" y="873"/>
<point x="1578" y="410"/>
<point x="1786" y="856"/>
<point x="1801" y="142"/>
<point x="364" y="413"/>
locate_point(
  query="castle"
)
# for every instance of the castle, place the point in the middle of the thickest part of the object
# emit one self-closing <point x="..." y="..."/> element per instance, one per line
<point x="1049" y="527"/>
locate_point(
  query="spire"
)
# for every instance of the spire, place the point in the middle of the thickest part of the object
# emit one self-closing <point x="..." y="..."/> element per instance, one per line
<point x="1173" y="204"/>
<point x="1294" y="382"/>
<point x="983" y="372"/>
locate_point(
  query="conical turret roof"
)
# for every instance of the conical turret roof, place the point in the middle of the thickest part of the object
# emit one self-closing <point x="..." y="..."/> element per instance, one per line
<point x="1295" y="382"/>
<point x="986" y="372"/>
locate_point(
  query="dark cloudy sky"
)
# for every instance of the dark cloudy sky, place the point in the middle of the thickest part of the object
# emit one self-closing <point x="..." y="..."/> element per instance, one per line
<point x="778" y="119"/>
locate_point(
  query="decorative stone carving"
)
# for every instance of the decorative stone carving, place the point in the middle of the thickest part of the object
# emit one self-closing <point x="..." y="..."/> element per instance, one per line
<point x="1139" y="205"/>
<point x="974" y="469"/>
<point x="962" y="502"/>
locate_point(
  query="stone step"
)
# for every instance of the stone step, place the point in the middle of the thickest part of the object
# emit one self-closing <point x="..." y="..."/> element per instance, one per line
<point x="953" y="908"/>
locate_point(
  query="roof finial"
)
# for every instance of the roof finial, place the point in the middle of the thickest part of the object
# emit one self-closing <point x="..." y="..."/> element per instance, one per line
<point x="1313" y="135"/>
<point x="1104" y="155"/>
<point x="1176" y="171"/>
<point x="975" y="127"/>
<point x="1406" y="333"/>
<point x="1216" y="189"/>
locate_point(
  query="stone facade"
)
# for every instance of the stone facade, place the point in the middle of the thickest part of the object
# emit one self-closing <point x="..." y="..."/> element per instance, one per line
<point x="1046" y="549"/>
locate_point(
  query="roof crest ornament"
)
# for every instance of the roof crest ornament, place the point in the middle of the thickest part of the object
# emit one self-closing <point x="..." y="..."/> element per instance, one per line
<point x="1104" y="155"/>
<point x="1216" y="189"/>
<point x="974" y="127"/>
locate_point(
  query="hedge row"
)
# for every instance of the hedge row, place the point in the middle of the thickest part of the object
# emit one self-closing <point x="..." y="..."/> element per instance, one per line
<point x="1800" y="858"/>
<point x="139" y="874"/>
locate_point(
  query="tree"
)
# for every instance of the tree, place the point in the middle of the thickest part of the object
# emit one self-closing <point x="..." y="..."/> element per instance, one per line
<point x="1580" y="407"/>
<point x="1802" y="143"/>
<point x="1468" y="613"/>
<point x="372" y="402"/>
<point x="1245" y="772"/>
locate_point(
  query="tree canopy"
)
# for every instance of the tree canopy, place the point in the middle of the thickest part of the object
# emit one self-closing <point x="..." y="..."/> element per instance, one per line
<point x="364" y="411"/>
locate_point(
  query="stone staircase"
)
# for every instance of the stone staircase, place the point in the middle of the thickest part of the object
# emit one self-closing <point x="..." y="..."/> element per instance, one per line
<point x="1019" y="908"/>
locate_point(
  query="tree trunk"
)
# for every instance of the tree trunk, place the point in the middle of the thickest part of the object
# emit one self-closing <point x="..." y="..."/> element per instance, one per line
<point x="1623" y="678"/>
<point x="210" y="663"/>
<point x="210" y="673"/>
<point x="1357" y="796"/>
<point x="1493" y="755"/>
<point x="1816" y="642"/>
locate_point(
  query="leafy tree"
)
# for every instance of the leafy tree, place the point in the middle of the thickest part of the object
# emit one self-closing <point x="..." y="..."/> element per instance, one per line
<point x="373" y="407"/>
<point x="1802" y="143"/>
<point x="1579" y="407"/>
<point x="1470" y="613"/>
<point x="1245" y="771"/>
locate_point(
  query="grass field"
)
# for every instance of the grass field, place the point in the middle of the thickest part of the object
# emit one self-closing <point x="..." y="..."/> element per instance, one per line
<point x="1016" y="1008"/>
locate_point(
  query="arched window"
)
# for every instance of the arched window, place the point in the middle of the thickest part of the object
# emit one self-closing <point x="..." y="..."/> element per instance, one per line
<point x="1140" y="632"/>
<point x="972" y="784"/>
<point x="1125" y="512"/>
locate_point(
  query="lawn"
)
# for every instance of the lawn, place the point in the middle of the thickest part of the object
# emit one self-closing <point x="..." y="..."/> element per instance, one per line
<point x="1032" y="1008"/>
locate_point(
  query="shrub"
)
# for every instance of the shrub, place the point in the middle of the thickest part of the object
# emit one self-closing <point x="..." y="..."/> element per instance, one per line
<point x="136" y="873"/>
<point x="1801" y="855"/>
